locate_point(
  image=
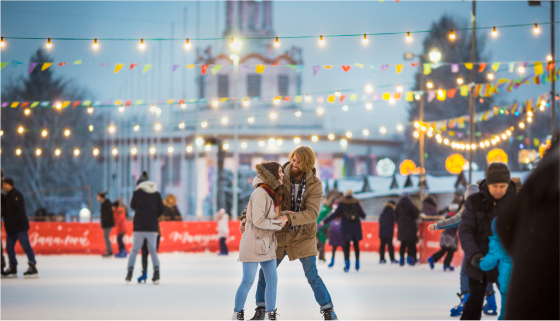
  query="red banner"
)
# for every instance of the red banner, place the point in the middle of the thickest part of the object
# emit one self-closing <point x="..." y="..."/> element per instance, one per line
<point x="87" y="238"/>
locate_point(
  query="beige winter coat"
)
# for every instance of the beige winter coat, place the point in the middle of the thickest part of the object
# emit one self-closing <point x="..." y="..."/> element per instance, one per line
<point x="258" y="243"/>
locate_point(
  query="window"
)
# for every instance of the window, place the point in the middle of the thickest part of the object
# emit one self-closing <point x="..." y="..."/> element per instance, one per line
<point x="223" y="86"/>
<point x="253" y="85"/>
<point x="283" y="85"/>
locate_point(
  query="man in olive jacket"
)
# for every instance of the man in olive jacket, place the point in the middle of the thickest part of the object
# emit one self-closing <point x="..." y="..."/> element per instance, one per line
<point x="298" y="237"/>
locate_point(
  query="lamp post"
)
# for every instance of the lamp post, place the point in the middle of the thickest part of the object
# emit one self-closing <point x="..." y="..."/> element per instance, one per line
<point x="235" y="146"/>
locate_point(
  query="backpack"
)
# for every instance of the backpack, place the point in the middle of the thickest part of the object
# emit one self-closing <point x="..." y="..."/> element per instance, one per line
<point x="351" y="214"/>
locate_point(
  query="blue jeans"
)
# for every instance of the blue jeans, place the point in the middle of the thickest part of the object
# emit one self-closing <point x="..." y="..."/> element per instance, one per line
<point x="309" y="264"/>
<point x="249" y="272"/>
<point x="465" y="281"/>
<point x="23" y="239"/>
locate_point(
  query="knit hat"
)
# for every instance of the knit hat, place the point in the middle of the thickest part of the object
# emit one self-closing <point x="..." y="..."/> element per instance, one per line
<point x="9" y="181"/>
<point x="142" y="178"/>
<point x="348" y="193"/>
<point x="497" y="173"/>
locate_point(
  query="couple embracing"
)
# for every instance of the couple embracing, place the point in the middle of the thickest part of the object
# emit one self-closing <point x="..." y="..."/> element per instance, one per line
<point x="281" y="219"/>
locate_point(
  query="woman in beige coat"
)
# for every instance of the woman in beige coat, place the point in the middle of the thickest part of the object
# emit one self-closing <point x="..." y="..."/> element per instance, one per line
<point x="258" y="243"/>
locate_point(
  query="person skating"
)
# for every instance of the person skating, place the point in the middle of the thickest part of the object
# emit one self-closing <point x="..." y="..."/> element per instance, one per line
<point x="449" y="243"/>
<point x="322" y="232"/>
<point x="120" y="225"/>
<point x="258" y="242"/>
<point x="407" y="214"/>
<point x="223" y="231"/>
<point x="298" y="238"/>
<point x="387" y="232"/>
<point x="16" y="225"/>
<point x="475" y="229"/>
<point x="335" y="237"/>
<point x="148" y="206"/>
<point x="107" y="222"/>
<point x="497" y="257"/>
<point x="351" y="213"/>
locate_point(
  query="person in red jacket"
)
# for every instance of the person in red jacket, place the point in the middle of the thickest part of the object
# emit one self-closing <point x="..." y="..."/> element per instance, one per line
<point x="120" y="226"/>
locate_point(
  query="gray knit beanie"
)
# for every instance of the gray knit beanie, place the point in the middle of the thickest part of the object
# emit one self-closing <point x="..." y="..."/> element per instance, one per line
<point x="497" y="173"/>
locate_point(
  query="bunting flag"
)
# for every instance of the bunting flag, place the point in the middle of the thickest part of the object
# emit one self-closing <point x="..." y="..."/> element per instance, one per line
<point x="496" y="66"/>
<point x="190" y="66"/>
<point x="441" y="94"/>
<point x="60" y="64"/>
<point x="132" y="66"/>
<point x="427" y="69"/>
<point x="32" y="66"/>
<point x="46" y="65"/>
<point x="217" y="69"/>
<point x="4" y="64"/>
<point x="454" y="68"/>
<point x="550" y="66"/>
<point x="481" y="66"/>
<point x="414" y="64"/>
<point x="259" y="69"/>
<point x="511" y="66"/>
<point x="386" y="96"/>
<point x="342" y="98"/>
<point x="298" y="99"/>
<point x="203" y="69"/>
<point x="469" y="65"/>
<point x="384" y="67"/>
<point x="538" y="68"/>
<point x="328" y="67"/>
<point x="372" y="68"/>
<point x="353" y="97"/>
<point x="431" y="96"/>
<point x="146" y="68"/>
<point x="346" y="68"/>
<point x="399" y="68"/>
<point x="102" y="65"/>
<point x="331" y="98"/>
<point x="316" y="69"/>
<point x="451" y="92"/>
<point x="276" y="63"/>
<point x="118" y="67"/>
<point x="359" y="65"/>
<point x="78" y="62"/>
<point x="409" y="96"/>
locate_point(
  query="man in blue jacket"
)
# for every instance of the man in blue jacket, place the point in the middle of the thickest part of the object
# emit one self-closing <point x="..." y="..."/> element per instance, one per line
<point x="475" y="229"/>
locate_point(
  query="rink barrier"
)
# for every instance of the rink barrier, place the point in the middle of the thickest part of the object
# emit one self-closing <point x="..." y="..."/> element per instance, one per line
<point x="87" y="238"/>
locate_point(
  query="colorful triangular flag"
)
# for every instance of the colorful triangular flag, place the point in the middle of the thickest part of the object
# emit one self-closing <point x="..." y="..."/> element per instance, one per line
<point x="118" y="67"/>
<point x="46" y="65"/>
<point x="146" y="68"/>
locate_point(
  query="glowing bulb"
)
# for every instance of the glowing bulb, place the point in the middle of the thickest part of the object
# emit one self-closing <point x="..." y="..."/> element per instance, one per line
<point x="182" y="125"/>
<point x="142" y="45"/>
<point x="487" y="143"/>
<point x="297" y="140"/>
<point x="399" y="88"/>
<point x="153" y="108"/>
<point x="408" y="36"/>
<point x="246" y="103"/>
<point x="460" y="81"/>
<point x="199" y="141"/>
<point x="468" y="147"/>
<point x="57" y="152"/>
<point x="90" y="110"/>
<point x="204" y="124"/>
<point x="337" y="93"/>
<point x="272" y="141"/>
<point x="225" y="146"/>
<point x="224" y="120"/>
<point x="423" y="128"/>
<point x="497" y="139"/>
<point x="152" y="150"/>
<point x="417" y="97"/>
<point x="170" y="149"/>
<point x="369" y="88"/>
<point x="18" y="151"/>
<point x="440" y="93"/>
<point x="136" y="128"/>
<point x="314" y="139"/>
<point x="277" y="43"/>
<point x="251" y="119"/>
<point x="549" y="57"/>
<point x="529" y="119"/>
<point x="121" y="109"/>
<point x="2" y="43"/>
<point x="187" y="44"/>
<point x="279" y="142"/>
<point x="49" y="44"/>
<point x="189" y="149"/>
<point x="276" y="100"/>
<point x="298" y="113"/>
<point x="133" y="151"/>
<point x="44" y="133"/>
<point x="320" y="111"/>
<point x="183" y="106"/>
<point x="273" y="116"/>
<point x="321" y="41"/>
<point x="215" y="103"/>
<point x="261" y="143"/>
<point x="95" y="44"/>
<point x="490" y="76"/>
<point x="343" y="142"/>
<point x="536" y="29"/>
<point x="430" y="85"/>
<point x="345" y="108"/>
<point x="452" y="35"/>
<point x="67" y="132"/>
<point x="541" y="107"/>
<point x="416" y="134"/>
<point x="392" y="100"/>
<point x="504" y="136"/>
<point x="90" y="128"/>
<point x="508" y="132"/>
<point x="38" y="152"/>
<point x="349" y="134"/>
<point x="307" y="98"/>
<point x="446" y="141"/>
<point x="331" y="136"/>
<point x="369" y="106"/>
<point x="244" y="145"/>
<point x="400" y="127"/>
<point x="76" y="152"/>
<point x="494" y="32"/>
<point x="365" y="132"/>
<point x="115" y="151"/>
<point x="530" y="113"/>
<point x="365" y="40"/>
<point x="58" y="105"/>
<point x="95" y="152"/>
<point x="521" y="69"/>
<point x="111" y="129"/>
<point x="235" y="45"/>
<point x="481" y="145"/>
<point x="157" y="127"/>
<point x="521" y="125"/>
<point x="430" y="134"/>
<point x="416" y="124"/>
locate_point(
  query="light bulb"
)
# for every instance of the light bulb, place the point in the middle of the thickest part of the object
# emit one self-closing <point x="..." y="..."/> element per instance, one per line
<point x="521" y="69"/>
<point x="27" y="111"/>
<point x="142" y="45"/>
<point x="399" y="88"/>
<point x="430" y="85"/>
<point x="182" y="125"/>
<point x="261" y="143"/>
<point x="224" y="120"/>
<point x="67" y="132"/>
<point x="365" y="132"/>
<point x="273" y="116"/>
<point x="365" y="40"/>
<point x="399" y="127"/>
<point x="183" y="106"/>
<point x="170" y="149"/>
<point x="307" y="98"/>
<point x="90" y="128"/>
<point x="536" y="29"/>
<point x="392" y="100"/>
<point x="460" y="81"/>
<point x="136" y="128"/>
<point x="152" y="150"/>
<point x="452" y="35"/>
<point x="321" y="41"/>
<point x="58" y="105"/>
<point x="76" y="152"/>
<point x="416" y="134"/>
<point x="111" y="129"/>
<point x="408" y="36"/>
<point x="337" y="93"/>
<point x="314" y="139"/>
<point x="95" y="44"/>
<point x="369" y="106"/>
<point x="521" y="125"/>
<point x="121" y="109"/>
<point x="276" y="101"/>
<point x="490" y="76"/>
<point x="345" y="108"/>
<point x="369" y="88"/>
<point x="115" y="151"/>
<point x="549" y="57"/>
<point x="298" y="113"/>
<point x="277" y="43"/>
<point x="235" y="45"/>
<point x="215" y="103"/>
<point x="272" y="141"/>
<point x="494" y="32"/>
<point x="244" y="145"/>
<point x="251" y="119"/>
<point x="44" y="133"/>
<point x="204" y="124"/>
<point x="18" y="151"/>
<point x="157" y="127"/>
<point x="49" y="44"/>
<point x="133" y="151"/>
<point x="417" y="97"/>
<point x="279" y="142"/>
<point x="225" y="146"/>
<point x="343" y="142"/>
<point x="417" y="124"/>
<point x="189" y="149"/>
<point x="57" y="152"/>
<point x="320" y="111"/>
<point x="331" y="137"/>
<point x="187" y="44"/>
<point x="2" y="43"/>
<point x="246" y="103"/>
<point x="446" y="141"/>
<point x="297" y="140"/>
<point x="199" y="141"/>
<point x="38" y="152"/>
<point x="90" y="110"/>
<point x="349" y="134"/>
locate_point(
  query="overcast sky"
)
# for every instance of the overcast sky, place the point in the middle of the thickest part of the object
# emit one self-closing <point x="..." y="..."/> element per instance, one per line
<point x="154" y="19"/>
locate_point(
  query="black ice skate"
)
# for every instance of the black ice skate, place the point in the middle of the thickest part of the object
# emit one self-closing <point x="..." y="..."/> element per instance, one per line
<point x="9" y="273"/>
<point x="31" y="272"/>
<point x="328" y="314"/>
<point x="128" y="276"/>
<point x="259" y="314"/>
<point x="155" y="279"/>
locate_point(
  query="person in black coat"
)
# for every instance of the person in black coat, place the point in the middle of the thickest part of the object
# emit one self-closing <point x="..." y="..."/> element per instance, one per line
<point x="475" y="229"/>
<point x="407" y="214"/>
<point x="107" y="221"/>
<point x="350" y="210"/>
<point x="529" y="233"/>
<point x="17" y="227"/>
<point x="386" y="231"/>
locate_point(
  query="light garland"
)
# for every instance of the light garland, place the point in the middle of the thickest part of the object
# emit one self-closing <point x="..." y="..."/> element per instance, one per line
<point x="461" y="145"/>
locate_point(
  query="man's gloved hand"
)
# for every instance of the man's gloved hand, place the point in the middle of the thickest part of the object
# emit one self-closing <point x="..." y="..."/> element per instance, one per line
<point x="475" y="260"/>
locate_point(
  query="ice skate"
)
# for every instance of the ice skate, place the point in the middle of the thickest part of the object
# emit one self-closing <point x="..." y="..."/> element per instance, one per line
<point x="346" y="266"/>
<point x="155" y="279"/>
<point x="31" y="272"/>
<point x="411" y="261"/>
<point x="332" y="263"/>
<point x="107" y="255"/>
<point x="259" y="314"/>
<point x="10" y="273"/>
<point x="271" y="315"/>
<point x="448" y="267"/>
<point x="490" y="308"/>
<point x="128" y="276"/>
<point x="382" y="261"/>
<point x="431" y="262"/>
<point x="121" y="254"/>
<point x="238" y="315"/>
<point x="458" y="310"/>
<point x="143" y="277"/>
<point x="394" y="262"/>
<point x="401" y="261"/>
<point x="357" y="265"/>
<point x="328" y="314"/>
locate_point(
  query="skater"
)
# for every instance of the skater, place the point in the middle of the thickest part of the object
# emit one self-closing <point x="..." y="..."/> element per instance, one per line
<point x="528" y="230"/>
<point x="148" y="206"/>
<point x="429" y="206"/>
<point x="335" y="237"/>
<point x="171" y="212"/>
<point x="497" y="257"/>
<point x="449" y="243"/>
<point x="475" y="229"/>
<point x="322" y="232"/>
<point x="258" y="242"/>
<point x="120" y="224"/>
<point x="107" y="222"/>
<point x="386" y="232"/>
<point x="351" y="212"/>
<point x="297" y="239"/>
<point x="407" y="214"/>
<point x="223" y="231"/>
<point x="17" y="227"/>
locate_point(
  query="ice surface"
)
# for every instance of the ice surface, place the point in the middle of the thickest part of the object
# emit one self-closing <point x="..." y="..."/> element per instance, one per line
<point x="203" y="286"/>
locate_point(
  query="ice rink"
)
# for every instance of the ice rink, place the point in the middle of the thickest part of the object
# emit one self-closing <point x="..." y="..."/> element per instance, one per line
<point x="203" y="286"/>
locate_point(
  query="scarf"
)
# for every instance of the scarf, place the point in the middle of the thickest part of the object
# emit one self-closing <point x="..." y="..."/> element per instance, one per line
<point x="271" y="193"/>
<point x="296" y="199"/>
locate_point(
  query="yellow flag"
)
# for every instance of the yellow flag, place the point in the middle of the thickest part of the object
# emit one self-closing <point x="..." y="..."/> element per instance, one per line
<point x="464" y="90"/>
<point x="46" y="65"/>
<point x="353" y="97"/>
<point x="66" y="104"/>
<point x="538" y="68"/>
<point x="327" y="67"/>
<point x="118" y="67"/>
<point x="118" y="102"/>
<point x="409" y="96"/>
<point x="359" y="65"/>
<point x="298" y="99"/>
<point x="190" y="66"/>
<point x="78" y="62"/>
<point x="15" y="104"/>
<point x="427" y="69"/>
<point x="536" y="142"/>
<point x="399" y="68"/>
<point x="170" y="101"/>
<point x="496" y="66"/>
<point x="502" y="80"/>
<point x="442" y="93"/>
<point x="331" y="98"/>
<point x="386" y="96"/>
<point x="259" y="69"/>
<point x="468" y="65"/>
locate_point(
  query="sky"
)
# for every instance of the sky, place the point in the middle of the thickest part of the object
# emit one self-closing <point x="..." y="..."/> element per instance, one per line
<point x="155" y="19"/>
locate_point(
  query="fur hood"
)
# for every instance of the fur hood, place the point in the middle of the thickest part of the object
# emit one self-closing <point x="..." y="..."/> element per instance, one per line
<point x="348" y="200"/>
<point x="147" y="186"/>
<point x="267" y="177"/>
<point x="391" y="205"/>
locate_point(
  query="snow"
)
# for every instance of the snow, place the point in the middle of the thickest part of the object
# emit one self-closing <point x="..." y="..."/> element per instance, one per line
<point x="203" y="286"/>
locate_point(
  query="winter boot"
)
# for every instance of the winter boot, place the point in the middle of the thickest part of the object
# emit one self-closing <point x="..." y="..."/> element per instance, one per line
<point x="458" y="310"/>
<point x="128" y="276"/>
<point x="10" y="272"/>
<point x="381" y="261"/>
<point x="346" y="266"/>
<point x="332" y="263"/>
<point x="271" y="315"/>
<point x="259" y="313"/>
<point x="401" y="261"/>
<point x="431" y="262"/>
<point x="448" y="267"/>
<point x="394" y="262"/>
<point x="155" y="279"/>
<point x="328" y="314"/>
<point x="410" y="261"/>
<point x="238" y="315"/>
<point x="490" y="307"/>
<point x="31" y="272"/>
<point x="121" y="254"/>
<point x="143" y="277"/>
<point x="357" y="265"/>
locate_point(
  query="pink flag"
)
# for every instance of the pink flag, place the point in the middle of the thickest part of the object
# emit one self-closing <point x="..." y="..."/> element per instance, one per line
<point x="384" y="67"/>
<point x="316" y="69"/>
<point x="32" y="66"/>
<point x="175" y="67"/>
<point x="454" y="68"/>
